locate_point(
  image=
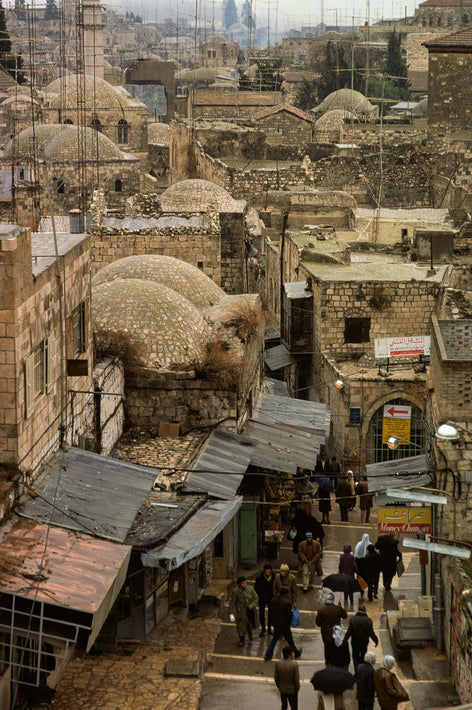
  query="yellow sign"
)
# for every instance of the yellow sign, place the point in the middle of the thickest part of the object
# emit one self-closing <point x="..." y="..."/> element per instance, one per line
<point x="396" y="427"/>
<point x="404" y="520"/>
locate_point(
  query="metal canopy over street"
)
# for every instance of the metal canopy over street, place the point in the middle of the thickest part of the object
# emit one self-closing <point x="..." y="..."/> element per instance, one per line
<point x="399" y="473"/>
<point x="307" y="416"/>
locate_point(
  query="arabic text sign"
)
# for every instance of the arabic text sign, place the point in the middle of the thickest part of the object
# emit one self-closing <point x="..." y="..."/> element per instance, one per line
<point x="407" y="346"/>
<point x="396" y="427"/>
<point x="404" y="520"/>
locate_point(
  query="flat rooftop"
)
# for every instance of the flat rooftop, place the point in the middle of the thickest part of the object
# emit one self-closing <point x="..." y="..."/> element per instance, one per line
<point x="371" y="269"/>
<point x="43" y="250"/>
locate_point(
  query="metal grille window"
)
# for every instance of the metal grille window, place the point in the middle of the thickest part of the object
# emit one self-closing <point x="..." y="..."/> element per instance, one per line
<point x="123" y="130"/>
<point x="354" y="415"/>
<point x="39" y="373"/>
<point x="376" y="451"/>
<point x="38" y="370"/>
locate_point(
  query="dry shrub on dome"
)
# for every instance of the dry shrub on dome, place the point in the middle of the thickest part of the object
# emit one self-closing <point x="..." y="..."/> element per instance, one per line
<point x="246" y="317"/>
<point x="116" y="343"/>
<point x="222" y="364"/>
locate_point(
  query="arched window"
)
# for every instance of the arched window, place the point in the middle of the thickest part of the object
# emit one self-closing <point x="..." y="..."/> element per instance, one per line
<point x="68" y="122"/>
<point x="123" y="130"/>
<point x="118" y="186"/>
<point x="377" y="451"/>
<point x="60" y="187"/>
<point x="95" y="123"/>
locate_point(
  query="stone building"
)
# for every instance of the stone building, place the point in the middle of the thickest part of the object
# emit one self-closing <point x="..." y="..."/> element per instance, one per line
<point x="158" y="153"/>
<point x="46" y="166"/>
<point x="193" y="220"/>
<point x="46" y="344"/>
<point x="347" y="100"/>
<point x="232" y="105"/>
<point x="285" y="125"/>
<point x="449" y="91"/>
<point x="218" y="52"/>
<point x="448" y="14"/>
<point x="111" y="110"/>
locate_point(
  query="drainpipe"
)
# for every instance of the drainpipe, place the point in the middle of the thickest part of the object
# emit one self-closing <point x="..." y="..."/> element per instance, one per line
<point x="438" y="612"/>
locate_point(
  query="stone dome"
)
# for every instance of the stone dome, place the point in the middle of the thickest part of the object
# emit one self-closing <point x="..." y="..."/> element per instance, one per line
<point x="106" y="96"/>
<point x="58" y="142"/>
<point x="348" y="100"/>
<point x="156" y="327"/>
<point x="178" y="275"/>
<point x="158" y="133"/>
<point x="198" y="196"/>
<point x="333" y="120"/>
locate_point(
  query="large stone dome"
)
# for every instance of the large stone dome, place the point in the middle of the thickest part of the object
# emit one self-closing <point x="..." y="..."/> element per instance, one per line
<point x="155" y="327"/>
<point x="198" y="196"/>
<point x="348" y="100"/>
<point x="105" y="95"/>
<point x="178" y="275"/>
<point x="334" y="120"/>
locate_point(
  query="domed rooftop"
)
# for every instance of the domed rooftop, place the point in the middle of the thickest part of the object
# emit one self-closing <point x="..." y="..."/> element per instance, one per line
<point x="198" y="196"/>
<point x="106" y="96"/>
<point x="348" y="100"/>
<point x="155" y="326"/>
<point x="158" y="133"/>
<point x="58" y="142"/>
<point x="333" y="120"/>
<point x="178" y="275"/>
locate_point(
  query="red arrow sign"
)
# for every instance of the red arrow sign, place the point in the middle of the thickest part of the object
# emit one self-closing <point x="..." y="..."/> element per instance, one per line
<point x="392" y="411"/>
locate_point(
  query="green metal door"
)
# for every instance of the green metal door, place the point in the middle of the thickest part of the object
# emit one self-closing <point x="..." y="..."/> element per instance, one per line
<point x="248" y="530"/>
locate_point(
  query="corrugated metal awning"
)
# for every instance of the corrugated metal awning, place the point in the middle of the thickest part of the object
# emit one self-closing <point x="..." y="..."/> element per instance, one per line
<point x="277" y="357"/>
<point x="227" y="455"/>
<point x="282" y="449"/>
<point x="398" y="473"/>
<point x="288" y="412"/>
<point x="65" y="569"/>
<point x="195" y="535"/>
<point x="96" y="494"/>
<point x="278" y="387"/>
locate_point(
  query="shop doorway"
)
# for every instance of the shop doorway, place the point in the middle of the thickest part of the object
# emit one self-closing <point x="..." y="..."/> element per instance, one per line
<point x="378" y="451"/>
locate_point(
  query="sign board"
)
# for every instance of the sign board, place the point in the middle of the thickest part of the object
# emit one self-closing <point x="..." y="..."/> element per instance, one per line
<point x="396" y="422"/>
<point x="408" y="346"/>
<point x="404" y="520"/>
<point x="436" y="547"/>
<point x="398" y="473"/>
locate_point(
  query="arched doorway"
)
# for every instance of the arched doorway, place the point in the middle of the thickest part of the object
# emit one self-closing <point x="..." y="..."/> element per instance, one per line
<point x="376" y="451"/>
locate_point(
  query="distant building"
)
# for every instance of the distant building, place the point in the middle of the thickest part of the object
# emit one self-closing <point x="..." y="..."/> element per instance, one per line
<point x="219" y="52"/>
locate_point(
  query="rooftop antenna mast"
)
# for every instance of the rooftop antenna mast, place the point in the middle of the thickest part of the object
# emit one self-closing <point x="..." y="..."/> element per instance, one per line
<point x="80" y="105"/>
<point x="367" y="50"/>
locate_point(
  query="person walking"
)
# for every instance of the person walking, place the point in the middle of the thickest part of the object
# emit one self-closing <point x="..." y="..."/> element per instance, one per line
<point x="328" y="616"/>
<point x="365" y="682"/>
<point x="287" y="678"/>
<point x="281" y="615"/>
<point x="334" y="470"/>
<point x="389" y="553"/>
<point x="324" y="505"/>
<point x="285" y="578"/>
<point x="360" y="630"/>
<point x="243" y="609"/>
<point x="390" y="692"/>
<point x="348" y="565"/>
<point x="336" y="650"/>
<point x="264" y="586"/>
<point x="360" y="552"/>
<point x="366" y="499"/>
<point x="344" y="497"/>
<point x="310" y="553"/>
<point x="372" y="569"/>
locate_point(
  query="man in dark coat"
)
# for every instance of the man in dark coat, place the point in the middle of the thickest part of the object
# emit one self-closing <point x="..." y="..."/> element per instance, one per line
<point x="372" y="569"/>
<point x="287" y="678"/>
<point x="365" y="683"/>
<point x="365" y="499"/>
<point x="334" y="470"/>
<point x="344" y="494"/>
<point x="336" y="650"/>
<point x="281" y="615"/>
<point x="264" y="586"/>
<point x="389" y="552"/>
<point x="360" y="630"/>
<point x="328" y="616"/>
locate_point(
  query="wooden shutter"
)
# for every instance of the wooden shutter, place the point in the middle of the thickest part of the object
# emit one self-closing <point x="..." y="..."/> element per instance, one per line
<point x="29" y="385"/>
<point x="86" y="315"/>
<point x="50" y="346"/>
<point x="70" y="336"/>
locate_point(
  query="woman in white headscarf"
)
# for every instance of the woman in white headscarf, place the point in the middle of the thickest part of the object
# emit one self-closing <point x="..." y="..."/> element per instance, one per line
<point x="360" y="553"/>
<point x="337" y="650"/>
<point x="390" y="692"/>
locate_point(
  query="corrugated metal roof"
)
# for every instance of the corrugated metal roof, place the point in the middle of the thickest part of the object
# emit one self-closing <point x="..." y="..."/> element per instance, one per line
<point x="283" y="450"/>
<point x="399" y="473"/>
<point x="159" y="516"/>
<point x="96" y="494"/>
<point x="229" y="456"/>
<point x="278" y="357"/>
<point x="297" y="289"/>
<point x="195" y="535"/>
<point x="289" y="412"/>
<point x="77" y="570"/>
<point x="278" y="387"/>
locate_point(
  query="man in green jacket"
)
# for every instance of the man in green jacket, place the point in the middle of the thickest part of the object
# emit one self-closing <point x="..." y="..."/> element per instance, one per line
<point x="243" y="609"/>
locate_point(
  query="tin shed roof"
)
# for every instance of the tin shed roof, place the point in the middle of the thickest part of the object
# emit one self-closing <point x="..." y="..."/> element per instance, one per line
<point x="398" y="473"/>
<point x="95" y="494"/>
<point x="288" y="412"/>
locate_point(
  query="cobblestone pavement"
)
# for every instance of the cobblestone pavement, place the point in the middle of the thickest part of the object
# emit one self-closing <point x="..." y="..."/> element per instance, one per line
<point x="134" y="678"/>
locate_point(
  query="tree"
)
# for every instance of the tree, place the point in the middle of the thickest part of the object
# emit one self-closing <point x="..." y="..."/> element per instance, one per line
<point x="396" y="68"/>
<point x="230" y="13"/>
<point x="307" y="94"/>
<point x="11" y="63"/>
<point x="51" y="12"/>
<point x="336" y="74"/>
<point x="266" y="78"/>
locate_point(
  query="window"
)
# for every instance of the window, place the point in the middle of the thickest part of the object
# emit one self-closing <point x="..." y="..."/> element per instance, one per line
<point x="22" y="173"/>
<point x="118" y="186"/>
<point x="356" y="330"/>
<point x="123" y="130"/>
<point x="60" y="187"/>
<point x="95" y="124"/>
<point x="39" y="373"/>
<point x="78" y="329"/>
<point x="68" y="122"/>
<point x="354" y="415"/>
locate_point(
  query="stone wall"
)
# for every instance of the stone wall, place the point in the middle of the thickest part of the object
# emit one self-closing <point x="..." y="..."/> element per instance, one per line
<point x="285" y="128"/>
<point x="449" y="92"/>
<point x="108" y="379"/>
<point x="31" y="314"/>
<point x="416" y="52"/>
